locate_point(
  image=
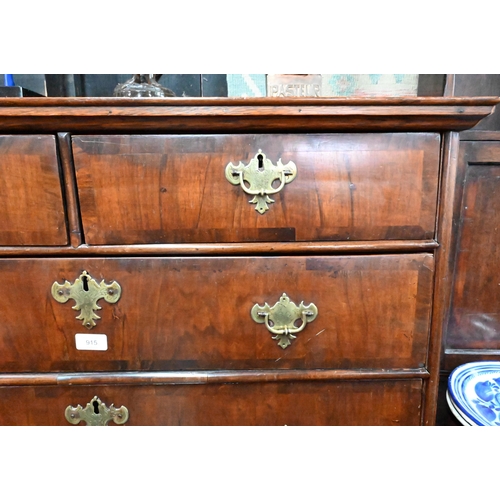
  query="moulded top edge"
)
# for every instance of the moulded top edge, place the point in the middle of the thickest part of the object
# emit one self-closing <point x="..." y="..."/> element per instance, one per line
<point x="248" y="101"/>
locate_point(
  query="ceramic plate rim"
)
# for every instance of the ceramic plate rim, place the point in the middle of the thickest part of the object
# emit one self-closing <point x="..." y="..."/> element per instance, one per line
<point x="463" y="374"/>
<point x="463" y="419"/>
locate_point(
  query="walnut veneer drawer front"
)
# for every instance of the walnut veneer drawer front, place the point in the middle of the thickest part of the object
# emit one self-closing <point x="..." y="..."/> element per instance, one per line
<point x="321" y="403"/>
<point x="31" y="204"/>
<point x="173" y="189"/>
<point x="196" y="313"/>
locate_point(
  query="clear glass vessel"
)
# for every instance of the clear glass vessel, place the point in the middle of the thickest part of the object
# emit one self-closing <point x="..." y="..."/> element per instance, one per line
<point x="142" y="86"/>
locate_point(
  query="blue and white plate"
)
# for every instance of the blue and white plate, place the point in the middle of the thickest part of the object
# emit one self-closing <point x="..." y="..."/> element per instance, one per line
<point x="474" y="393"/>
<point x="464" y="420"/>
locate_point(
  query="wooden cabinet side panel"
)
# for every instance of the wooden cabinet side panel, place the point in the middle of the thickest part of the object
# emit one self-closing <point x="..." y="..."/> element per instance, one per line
<point x="475" y="308"/>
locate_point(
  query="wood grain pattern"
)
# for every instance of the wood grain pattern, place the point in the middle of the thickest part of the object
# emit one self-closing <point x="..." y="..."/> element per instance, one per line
<point x="270" y="248"/>
<point x="31" y="204"/>
<point x="444" y="265"/>
<point x="480" y="85"/>
<point x="366" y="232"/>
<point x="204" y="377"/>
<point x="194" y="313"/>
<point x="243" y="115"/>
<point x="172" y="189"/>
<point x="71" y="195"/>
<point x="475" y="308"/>
<point x="480" y="135"/>
<point x="456" y="357"/>
<point x="50" y="103"/>
<point x="324" y="403"/>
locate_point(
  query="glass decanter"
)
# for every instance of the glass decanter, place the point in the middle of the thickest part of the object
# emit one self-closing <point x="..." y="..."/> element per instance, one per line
<point x="142" y="86"/>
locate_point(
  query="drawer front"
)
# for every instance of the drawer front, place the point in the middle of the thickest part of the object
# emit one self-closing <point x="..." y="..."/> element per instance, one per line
<point x="305" y="403"/>
<point x="195" y="313"/>
<point x="31" y="204"/>
<point x="173" y="189"/>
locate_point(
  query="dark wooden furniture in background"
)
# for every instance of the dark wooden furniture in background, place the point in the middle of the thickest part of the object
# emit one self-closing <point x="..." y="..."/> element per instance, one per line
<point x="472" y="330"/>
<point x="363" y="232"/>
<point x="474" y="322"/>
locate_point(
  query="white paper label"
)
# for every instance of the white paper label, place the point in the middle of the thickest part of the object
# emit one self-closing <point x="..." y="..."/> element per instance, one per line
<point x="91" y="341"/>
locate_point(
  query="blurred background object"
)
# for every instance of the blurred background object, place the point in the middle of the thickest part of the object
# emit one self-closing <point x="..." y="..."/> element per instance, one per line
<point x="8" y="81"/>
<point x="369" y="85"/>
<point x="142" y="86"/>
<point x="256" y="85"/>
<point x="22" y="85"/>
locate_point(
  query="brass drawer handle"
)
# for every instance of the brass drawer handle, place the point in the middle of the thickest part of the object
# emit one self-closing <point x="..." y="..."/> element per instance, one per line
<point x="281" y="318"/>
<point x="96" y="413"/>
<point x="85" y="291"/>
<point x="257" y="178"/>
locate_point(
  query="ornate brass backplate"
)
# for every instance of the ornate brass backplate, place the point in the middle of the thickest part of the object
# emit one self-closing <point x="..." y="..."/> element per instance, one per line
<point x="281" y="318"/>
<point x="96" y="413"/>
<point x="257" y="178"/>
<point x="85" y="291"/>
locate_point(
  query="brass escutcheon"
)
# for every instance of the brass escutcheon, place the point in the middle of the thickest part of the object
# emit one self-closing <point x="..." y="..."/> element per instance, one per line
<point x="258" y="176"/>
<point x="96" y="413"/>
<point x="280" y="319"/>
<point x="85" y="291"/>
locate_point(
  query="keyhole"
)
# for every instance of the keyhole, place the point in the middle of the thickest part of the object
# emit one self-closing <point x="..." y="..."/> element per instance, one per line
<point x="96" y="407"/>
<point x="86" y="286"/>
<point x="260" y="159"/>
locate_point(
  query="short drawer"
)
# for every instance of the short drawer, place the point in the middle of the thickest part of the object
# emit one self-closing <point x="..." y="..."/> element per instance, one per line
<point x="31" y="203"/>
<point x="299" y="403"/>
<point x="179" y="189"/>
<point x="196" y="313"/>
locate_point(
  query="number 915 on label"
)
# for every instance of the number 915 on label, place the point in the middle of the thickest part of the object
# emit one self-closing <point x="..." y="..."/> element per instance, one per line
<point x="91" y="341"/>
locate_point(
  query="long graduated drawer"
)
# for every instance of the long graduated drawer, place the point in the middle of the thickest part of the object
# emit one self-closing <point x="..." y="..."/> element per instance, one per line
<point x="210" y="313"/>
<point x="349" y="402"/>
<point x="205" y="188"/>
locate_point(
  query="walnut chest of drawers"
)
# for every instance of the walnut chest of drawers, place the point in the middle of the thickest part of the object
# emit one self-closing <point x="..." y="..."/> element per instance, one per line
<point x="225" y="261"/>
